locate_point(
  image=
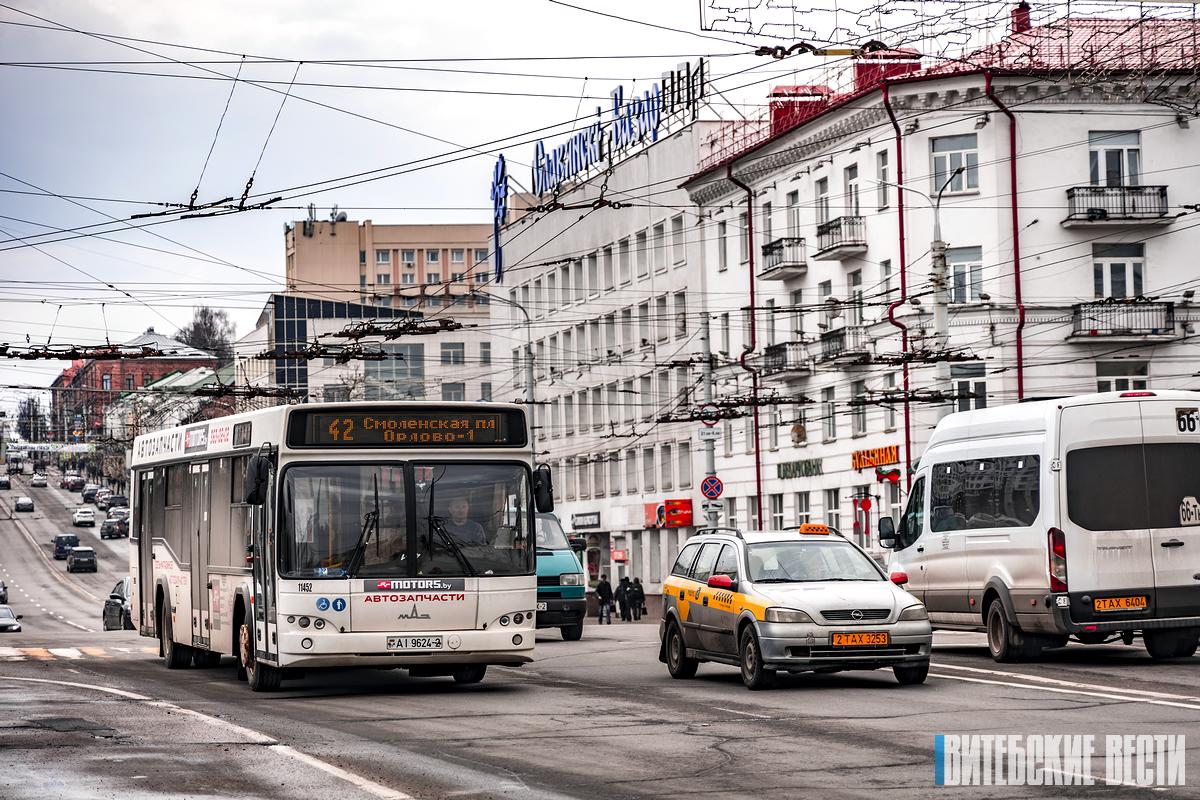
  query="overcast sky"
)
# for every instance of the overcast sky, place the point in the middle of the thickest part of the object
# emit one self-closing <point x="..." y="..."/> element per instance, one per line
<point x="103" y="134"/>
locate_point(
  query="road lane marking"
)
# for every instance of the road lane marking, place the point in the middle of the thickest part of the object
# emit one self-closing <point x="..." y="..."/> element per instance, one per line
<point x="98" y="652"/>
<point x="744" y="713"/>
<point x="66" y="652"/>
<point x="9" y="652"/>
<point x="366" y="784"/>
<point x="1059" y="690"/>
<point x="1075" y="684"/>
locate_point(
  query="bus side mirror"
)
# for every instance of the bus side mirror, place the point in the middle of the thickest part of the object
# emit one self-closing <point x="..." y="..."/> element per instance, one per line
<point x="543" y="489"/>
<point x="258" y="476"/>
<point x="887" y="533"/>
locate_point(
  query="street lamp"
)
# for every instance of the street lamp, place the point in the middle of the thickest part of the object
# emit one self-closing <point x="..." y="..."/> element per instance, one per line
<point x="528" y="353"/>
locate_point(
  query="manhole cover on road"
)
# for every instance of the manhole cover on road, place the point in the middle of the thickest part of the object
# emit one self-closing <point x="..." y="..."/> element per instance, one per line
<point x="72" y="725"/>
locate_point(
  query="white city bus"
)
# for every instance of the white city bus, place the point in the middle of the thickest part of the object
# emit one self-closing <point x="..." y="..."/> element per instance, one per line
<point x="339" y="535"/>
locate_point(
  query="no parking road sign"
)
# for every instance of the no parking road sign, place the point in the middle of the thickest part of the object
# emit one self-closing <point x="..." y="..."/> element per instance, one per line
<point x="711" y="487"/>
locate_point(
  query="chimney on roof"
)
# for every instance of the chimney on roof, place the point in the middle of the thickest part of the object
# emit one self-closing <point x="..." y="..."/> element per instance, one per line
<point x="1020" y="18"/>
<point x="150" y="329"/>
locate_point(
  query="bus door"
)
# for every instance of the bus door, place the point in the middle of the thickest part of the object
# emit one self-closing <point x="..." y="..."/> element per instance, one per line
<point x="143" y="501"/>
<point x="264" y="576"/>
<point x="198" y="527"/>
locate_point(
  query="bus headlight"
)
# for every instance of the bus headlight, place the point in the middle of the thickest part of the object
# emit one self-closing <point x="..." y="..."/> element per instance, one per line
<point x="318" y="624"/>
<point x="504" y="620"/>
<point x="304" y="622"/>
<point x="518" y="618"/>
<point x="571" y="579"/>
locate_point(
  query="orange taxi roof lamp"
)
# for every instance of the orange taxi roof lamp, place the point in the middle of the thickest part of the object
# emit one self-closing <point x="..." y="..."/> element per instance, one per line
<point x="814" y="528"/>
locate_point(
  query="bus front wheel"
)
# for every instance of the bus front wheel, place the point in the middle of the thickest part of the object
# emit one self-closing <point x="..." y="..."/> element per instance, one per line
<point x="260" y="677"/>
<point x="470" y="674"/>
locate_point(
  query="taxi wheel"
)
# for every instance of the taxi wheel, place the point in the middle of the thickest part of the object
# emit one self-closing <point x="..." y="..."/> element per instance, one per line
<point x="754" y="674"/>
<point x="911" y="674"/>
<point x="678" y="663"/>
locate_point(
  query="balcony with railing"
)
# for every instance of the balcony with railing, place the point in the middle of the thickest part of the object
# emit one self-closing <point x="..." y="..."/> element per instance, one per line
<point x="846" y="345"/>
<point x="1115" y="206"/>
<point x="784" y="258"/>
<point x="786" y="360"/>
<point x="841" y="237"/>
<point x="1135" y="320"/>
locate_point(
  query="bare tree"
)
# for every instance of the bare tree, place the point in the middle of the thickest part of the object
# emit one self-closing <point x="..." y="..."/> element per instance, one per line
<point x="210" y="330"/>
<point x="31" y="421"/>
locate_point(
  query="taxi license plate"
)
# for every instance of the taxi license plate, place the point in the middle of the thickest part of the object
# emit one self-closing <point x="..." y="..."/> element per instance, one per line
<point x="414" y="643"/>
<point x="861" y="639"/>
<point x="1136" y="603"/>
<point x="541" y="607"/>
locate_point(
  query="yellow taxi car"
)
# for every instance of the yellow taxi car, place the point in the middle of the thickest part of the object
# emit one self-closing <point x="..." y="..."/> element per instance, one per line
<point x="805" y="600"/>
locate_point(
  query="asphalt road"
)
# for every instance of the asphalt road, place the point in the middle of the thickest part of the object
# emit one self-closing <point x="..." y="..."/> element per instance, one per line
<point x="88" y="714"/>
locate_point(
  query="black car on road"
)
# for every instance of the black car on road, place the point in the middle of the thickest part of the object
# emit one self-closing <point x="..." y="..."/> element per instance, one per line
<point x="63" y="544"/>
<point x="116" y="608"/>
<point x="114" y="529"/>
<point x="81" y="559"/>
<point x="23" y="504"/>
<point x="9" y="620"/>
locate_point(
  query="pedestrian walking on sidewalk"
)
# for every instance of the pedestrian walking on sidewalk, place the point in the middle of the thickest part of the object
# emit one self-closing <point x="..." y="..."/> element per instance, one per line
<point x="624" y="595"/>
<point x="604" y="600"/>
<point x="638" y="597"/>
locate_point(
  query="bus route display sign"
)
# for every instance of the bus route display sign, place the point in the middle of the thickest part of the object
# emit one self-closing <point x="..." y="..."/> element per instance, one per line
<point x="407" y="427"/>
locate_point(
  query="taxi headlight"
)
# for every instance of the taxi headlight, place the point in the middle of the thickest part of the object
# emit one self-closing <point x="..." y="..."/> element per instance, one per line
<point x="571" y="579"/>
<point x="786" y="615"/>
<point x="914" y="614"/>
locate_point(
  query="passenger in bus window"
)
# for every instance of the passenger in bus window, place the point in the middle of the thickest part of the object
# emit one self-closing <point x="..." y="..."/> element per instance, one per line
<point x="460" y="525"/>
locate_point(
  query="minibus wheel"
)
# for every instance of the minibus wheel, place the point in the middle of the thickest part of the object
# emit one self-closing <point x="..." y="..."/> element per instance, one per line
<point x="1002" y="638"/>
<point x="1172" y="643"/>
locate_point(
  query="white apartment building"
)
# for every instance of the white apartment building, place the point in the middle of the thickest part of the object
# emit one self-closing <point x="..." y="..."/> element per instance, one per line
<point x="1071" y="233"/>
<point x="614" y="302"/>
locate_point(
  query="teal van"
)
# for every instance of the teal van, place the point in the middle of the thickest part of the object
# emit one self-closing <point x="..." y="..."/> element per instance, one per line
<point x="561" y="598"/>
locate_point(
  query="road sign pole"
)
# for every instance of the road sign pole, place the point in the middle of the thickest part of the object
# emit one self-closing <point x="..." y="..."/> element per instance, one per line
<point x="711" y="515"/>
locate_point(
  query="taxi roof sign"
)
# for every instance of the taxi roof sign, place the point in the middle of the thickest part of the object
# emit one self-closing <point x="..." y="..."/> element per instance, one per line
<point x="814" y="528"/>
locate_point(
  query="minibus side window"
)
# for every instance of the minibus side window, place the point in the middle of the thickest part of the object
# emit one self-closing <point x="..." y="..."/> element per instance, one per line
<point x="913" y="521"/>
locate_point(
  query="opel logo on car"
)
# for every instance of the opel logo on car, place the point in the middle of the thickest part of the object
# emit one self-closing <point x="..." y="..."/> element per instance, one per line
<point x="856" y="614"/>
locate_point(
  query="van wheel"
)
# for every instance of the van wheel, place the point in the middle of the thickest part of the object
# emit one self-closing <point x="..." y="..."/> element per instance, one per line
<point x="1005" y="642"/>
<point x="678" y="664"/>
<point x="1171" y="643"/>
<point x="754" y="674"/>
<point x="175" y="655"/>
<point x="572" y="633"/>
<point x="260" y="677"/>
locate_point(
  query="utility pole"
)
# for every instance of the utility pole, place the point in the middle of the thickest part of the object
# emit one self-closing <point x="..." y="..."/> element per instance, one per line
<point x="710" y="447"/>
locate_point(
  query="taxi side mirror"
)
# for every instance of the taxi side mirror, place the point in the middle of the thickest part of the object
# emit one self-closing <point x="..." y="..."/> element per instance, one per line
<point x="887" y="533"/>
<point x="722" y="582"/>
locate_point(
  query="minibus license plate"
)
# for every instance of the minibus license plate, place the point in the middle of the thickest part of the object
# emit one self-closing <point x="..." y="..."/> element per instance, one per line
<point x="860" y="639"/>
<point x="414" y="643"/>
<point x="541" y="606"/>
<point x="1137" y="603"/>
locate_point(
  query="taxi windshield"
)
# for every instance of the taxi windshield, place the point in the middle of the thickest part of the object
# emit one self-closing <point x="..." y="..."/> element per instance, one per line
<point x="809" y="560"/>
<point x="550" y="534"/>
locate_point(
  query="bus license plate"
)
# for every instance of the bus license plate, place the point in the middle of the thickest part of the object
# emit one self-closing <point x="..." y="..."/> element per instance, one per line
<point x="414" y="643"/>
<point x="860" y="639"/>
<point x="1136" y="603"/>
<point x="541" y="606"/>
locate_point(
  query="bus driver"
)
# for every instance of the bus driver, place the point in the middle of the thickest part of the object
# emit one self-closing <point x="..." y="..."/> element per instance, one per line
<point x="460" y="525"/>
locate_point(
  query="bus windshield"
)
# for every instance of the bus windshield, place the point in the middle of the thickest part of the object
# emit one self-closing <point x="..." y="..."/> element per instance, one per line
<point x="463" y="519"/>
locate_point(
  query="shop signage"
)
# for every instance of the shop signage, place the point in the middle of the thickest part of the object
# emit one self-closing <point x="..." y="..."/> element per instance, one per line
<point x="805" y="468"/>
<point x="669" y="514"/>
<point x="875" y="457"/>
<point x="585" y="522"/>
<point x="631" y="121"/>
<point x="620" y="556"/>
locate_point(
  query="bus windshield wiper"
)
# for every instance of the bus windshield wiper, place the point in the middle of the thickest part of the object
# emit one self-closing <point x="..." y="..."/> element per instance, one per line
<point x="370" y="522"/>
<point x="437" y="523"/>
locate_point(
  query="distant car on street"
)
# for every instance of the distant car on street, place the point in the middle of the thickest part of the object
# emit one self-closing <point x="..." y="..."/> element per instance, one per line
<point x="89" y="492"/>
<point x="118" y="513"/>
<point x="84" y="516"/>
<point x="65" y="481"/>
<point x="63" y="544"/>
<point x="5" y="482"/>
<point x="76" y="484"/>
<point x="115" y="501"/>
<point x="116" y="608"/>
<point x="102" y="496"/>
<point x="114" y="529"/>
<point x="38" y="481"/>
<point x="81" y="559"/>
<point x="23" y="504"/>
<point x="9" y="620"/>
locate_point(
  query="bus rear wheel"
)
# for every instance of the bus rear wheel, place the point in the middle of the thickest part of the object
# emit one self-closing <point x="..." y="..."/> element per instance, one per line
<point x="260" y="677"/>
<point x="470" y="674"/>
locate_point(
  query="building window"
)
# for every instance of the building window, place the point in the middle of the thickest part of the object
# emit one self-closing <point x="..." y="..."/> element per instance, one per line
<point x="882" y="190"/>
<point x="383" y="278"/>
<point x="1118" y="270"/>
<point x="949" y="154"/>
<point x="481" y="255"/>
<point x="850" y="177"/>
<point x="752" y="513"/>
<point x="833" y="509"/>
<point x="454" y="391"/>
<point x="106" y="382"/>
<point x="743" y="238"/>
<point x="964" y="266"/>
<point x="775" y="510"/>
<point x="648" y="469"/>
<point x="1121" y="376"/>
<point x="793" y="214"/>
<point x="827" y="414"/>
<point x="658" y="254"/>
<point x="454" y="353"/>
<point x="889" y="408"/>
<point x="797" y="301"/>
<point x="685" y="464"/>
<point x="765" y="232"/>
<point x="128" y="381"/>
<point x="728" y="439"/>
<point x="725" y="333"/>
<point x="610" y="278"/>
<point x="408" y="258"/>
<point x="593" y="274"/>
<point x="802" y="509"/>
<point x="1115" y="157"/>
<point x="748" y="430"/>
<point x="399" y="376"/>
<point x="436" y="277"/>
<point x="662" y="320"/>
<point x="821" y="192"/>
<point x="677" y="240"/>
<point x="408" y="279"/>
<point x="485" y="392"/>
<point x="383" y="256"/>
<point x="885" y="277"/>
<point x="666" y="468"/>
<point x="409" y="301"/>
<point x="485" y="352"/>
<point x="773" y="423"/>
<point x="146" y="378"/>
<point x="458" y="256"/>
<point x="731" y="516"/>
<point x="631" y="472"/>
<point x="722" y="247"/>
<point x="457" y="277"/>
<point x="624" y="267"/>
<point x="614" y="472"/>
<point x="858" y="414"/>
<point x="969" y="386"/>
<point x="854" y="301"/>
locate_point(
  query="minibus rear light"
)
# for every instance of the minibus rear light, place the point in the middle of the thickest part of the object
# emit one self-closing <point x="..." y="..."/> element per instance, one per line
<point x="1058" y="560"/>
<point x="1137" y="394"/>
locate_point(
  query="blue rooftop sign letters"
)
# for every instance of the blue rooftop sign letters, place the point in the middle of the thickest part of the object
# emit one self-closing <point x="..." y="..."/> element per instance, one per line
<point x="499" y="213"/>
